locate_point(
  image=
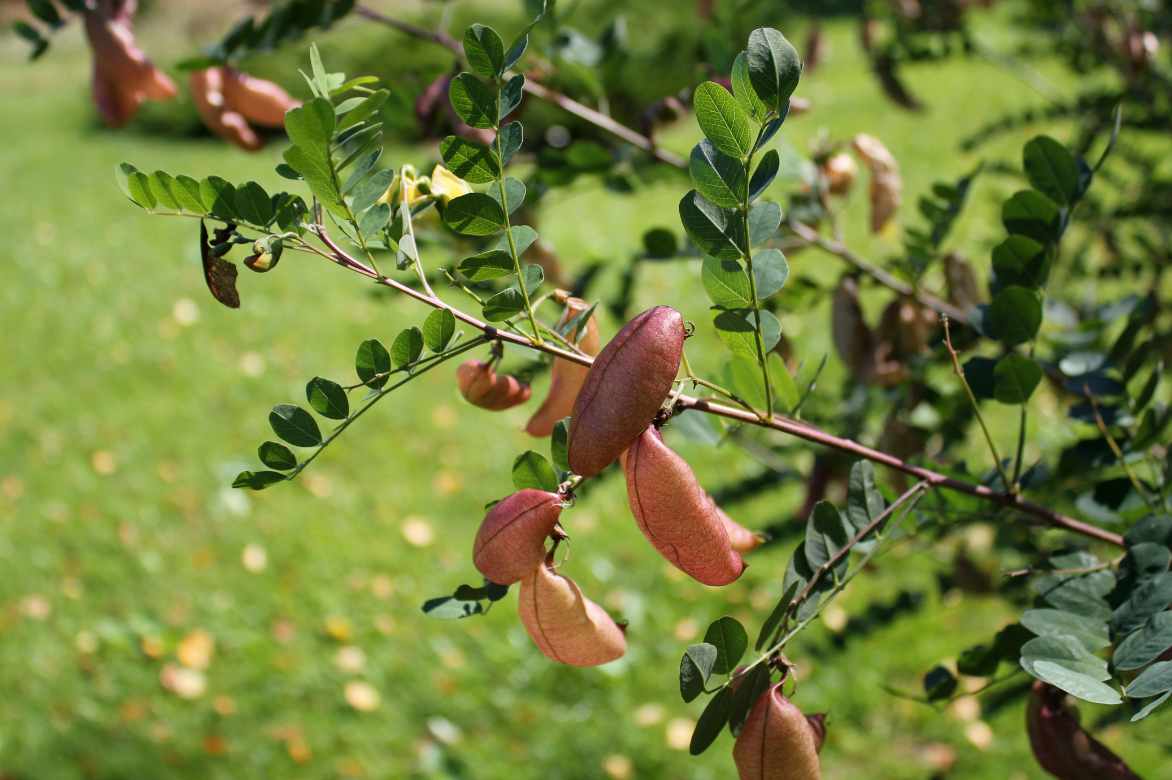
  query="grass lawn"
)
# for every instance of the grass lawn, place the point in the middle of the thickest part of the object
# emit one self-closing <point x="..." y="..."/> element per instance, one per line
<point x="130" y="399"/>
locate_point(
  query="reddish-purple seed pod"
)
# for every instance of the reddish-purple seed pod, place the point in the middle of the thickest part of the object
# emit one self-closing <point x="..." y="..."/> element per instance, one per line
<point x="511" y="541"/>
<point x="481" y="386"/>
<point x="676" y="515"/>
<point x="777" y="742"/>
<point x="624" y="389"/>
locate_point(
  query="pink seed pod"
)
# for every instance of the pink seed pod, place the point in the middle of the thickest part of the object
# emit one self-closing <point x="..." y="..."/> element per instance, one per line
<point x="207" y="92"/>
<point x="777" y="742"/>
<point x="676" y="515"/>
<point x="565" y="625"/>
<point x="742" y="539"/>
<point x="482" y="386"/>
<point x="566" y="378"/>
<point x="1061" y="746"/>
<point x="123" y="76"/>
<point x="511" y="541"/>
<point x="260" y="101"/>
<point x="624" y="389"/>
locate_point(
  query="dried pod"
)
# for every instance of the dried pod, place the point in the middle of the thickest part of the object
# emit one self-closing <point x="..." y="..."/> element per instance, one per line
<point x="886" y="190"/>
<point x="907" y="326"/>
<point x="565" y="625"/>
<point x="511" y="541"/>
<point x="852" y="337"/>
<point x="1061" y="746"/>
<point x="817" y="723"/>
<point x="482" y="386"/>
<point x="259" y="101"/>
<point x="675" y="514"/>
<point x="624" y="388"/>
<point x="776" y="742"/>
<point x="123" y="77"/>
<point x="566" y="378"/>
<point x="840" y="171"/>
<point x="963" y="290"/>
<point x="207" y="91"/>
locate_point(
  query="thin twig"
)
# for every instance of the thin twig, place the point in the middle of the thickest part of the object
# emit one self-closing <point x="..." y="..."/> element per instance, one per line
<point x="888" y="280"/>
<point x="1118" y="452"/>
<point x="1005" y="481"/>
<point x="785" y="425"/>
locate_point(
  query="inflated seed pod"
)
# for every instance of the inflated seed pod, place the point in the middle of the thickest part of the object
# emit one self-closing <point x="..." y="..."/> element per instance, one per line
<point x="207" y="91"/>
<point x="776" y="742"/>
<point x="260" y="101"/>
<point x="840" y="171"/>
<point x="565" y="625"/>
<point x="624" y="389"/>
<point x="675" y="514"/>
<point x="511" y="541"/>
<point x="742" y="539"/>
<point x="566" y="378"/>
<point x="908" y="326"/>
<point x="481" y="386"/>
<point x="123" y="76"/>
<point x="1061" y="746"/>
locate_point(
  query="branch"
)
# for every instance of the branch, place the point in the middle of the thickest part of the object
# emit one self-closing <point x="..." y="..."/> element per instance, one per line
<point x="801" y="430"/>
<point x="812" y="237"/>
<point x="536" y="89"/>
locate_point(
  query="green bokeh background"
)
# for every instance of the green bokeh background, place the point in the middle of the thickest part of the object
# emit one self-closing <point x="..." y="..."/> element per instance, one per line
<point x="129" y="399"/>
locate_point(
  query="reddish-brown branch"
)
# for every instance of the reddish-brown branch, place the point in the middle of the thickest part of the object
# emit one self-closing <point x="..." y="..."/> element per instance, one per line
<point x="786" y="425"/>
<point x="536" y="89"/>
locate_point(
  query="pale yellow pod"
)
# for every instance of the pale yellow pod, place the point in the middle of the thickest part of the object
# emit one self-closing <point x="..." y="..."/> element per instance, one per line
<point x="776" y="742"/>
<point x="565" y="625"/>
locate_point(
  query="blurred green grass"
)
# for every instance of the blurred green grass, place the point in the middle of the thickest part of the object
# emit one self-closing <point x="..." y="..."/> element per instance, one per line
<point x="130" y="399"/>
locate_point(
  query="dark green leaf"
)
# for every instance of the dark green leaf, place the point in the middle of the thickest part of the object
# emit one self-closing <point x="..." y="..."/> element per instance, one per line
<point x="779" y="609"/>
<point x="474" y="214"/>
<point x="1014" y="316"/>
<point x="770" y="271"/>
<point x="978" y="661"/>
<point x="764" y="175"/>
<point x="749" y="687"/>
<point x="277" y="456"/>
<point x="503" y="305"/>
<point x="1015" y="378"/>
<point x="711" y="721"/>
<point x="407" y="347"/>
<point x="1063" y="650"/>
<point x="186" y="192"/>
<point x="327" y="398"/>
<point x="511" y="96"/>
<point x="1150" y="707"/>
<point x="1019" y="260"/>
<point x="451" y="608"/>
<point x="470" y="161"/>
<point x="743" y="89"/>
<point x="1032" y="214"/>
<point x="1146" y="644"/>
<point x="370" y="190"/>
<point x="709" y="226"/>
<point x="728" y="636"/>
<point x="826" y="535"/>
<point x="737" y="329"/>
<point x="1150" y="597"/>
<point x="257" y="480"/>
<point x="46" y="12"/>
<point x="295" y="425"/>
<point x="253" y="204"/>
<point x="438" y="329"/>
<point x="695" y="669"/>
<point x="939" y="683"/>
<point x="1051" y="169"/>
<point x="774" y="67"/>
<point x="372" y="363"/>
<point x="511" y="136"/>
<point x="660" y="244"/>
<point x="718" y="177"/>
<point x="374" y="219"/>
<point x="473" y="100"/>
<point x="491" y="264"/>
<point x="484" y="50"/>
<point x="726" y="283"/>
<point x="722" y="119"/>
<point x="532" y="470"/>
<point x="864" y="501"/>
<point x="559" y="444"/>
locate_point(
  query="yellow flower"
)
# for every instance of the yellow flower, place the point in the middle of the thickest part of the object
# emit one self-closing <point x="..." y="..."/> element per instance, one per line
<point x="405" y="182"/>
<point x="446" y="185"/>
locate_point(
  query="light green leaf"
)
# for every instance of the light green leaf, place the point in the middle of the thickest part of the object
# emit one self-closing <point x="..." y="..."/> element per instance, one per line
<point x="474" y="214"/>
<point x="471" y="162"/>
<point x="474" y="101"/>
<point x="532" y="470"/>
<point x="722" y="119"/>
<point x="718" y="177"/>
<point x="770" y="272"/>
<point x="726" y="283"/>
<point x="438" y="329"/>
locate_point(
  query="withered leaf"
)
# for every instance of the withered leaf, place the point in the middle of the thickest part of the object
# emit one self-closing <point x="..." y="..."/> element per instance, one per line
<point x="218" y="272"/>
